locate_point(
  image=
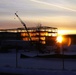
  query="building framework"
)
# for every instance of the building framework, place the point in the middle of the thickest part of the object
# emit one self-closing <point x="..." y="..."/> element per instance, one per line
<point x="42" y="34"/>
<point x="42" y="37"/>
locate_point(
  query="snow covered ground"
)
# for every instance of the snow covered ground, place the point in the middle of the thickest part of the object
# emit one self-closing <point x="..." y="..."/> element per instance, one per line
<point x="36" y="66"/>
<point x="35" y="72"/>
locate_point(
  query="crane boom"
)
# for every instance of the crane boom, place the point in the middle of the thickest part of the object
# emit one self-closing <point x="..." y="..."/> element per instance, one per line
<point x="23" y="25"/>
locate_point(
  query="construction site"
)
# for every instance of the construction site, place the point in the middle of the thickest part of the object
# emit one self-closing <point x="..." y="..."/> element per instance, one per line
<point x="39" y="36"/>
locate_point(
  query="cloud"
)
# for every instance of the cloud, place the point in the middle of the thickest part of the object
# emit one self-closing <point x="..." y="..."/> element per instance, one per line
<point x="55" y="5"/>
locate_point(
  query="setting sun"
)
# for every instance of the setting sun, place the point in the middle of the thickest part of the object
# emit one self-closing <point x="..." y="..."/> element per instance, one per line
<point x="59" y="39"/>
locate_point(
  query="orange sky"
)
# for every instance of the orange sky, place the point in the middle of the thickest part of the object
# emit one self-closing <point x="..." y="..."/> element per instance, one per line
<point x="54" y="13"/>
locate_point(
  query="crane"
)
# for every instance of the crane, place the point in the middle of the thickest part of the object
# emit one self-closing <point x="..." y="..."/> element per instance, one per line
<point x="23" y="25"/>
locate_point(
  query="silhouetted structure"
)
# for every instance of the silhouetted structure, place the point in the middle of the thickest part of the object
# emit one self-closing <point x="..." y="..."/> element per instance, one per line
<point x="40" y="36"/>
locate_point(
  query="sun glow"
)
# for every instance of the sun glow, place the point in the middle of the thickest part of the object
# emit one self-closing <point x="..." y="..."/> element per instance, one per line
<point x="62" y="32"/>
<point x="59" y="39"/>
<point x="66" y="32"/>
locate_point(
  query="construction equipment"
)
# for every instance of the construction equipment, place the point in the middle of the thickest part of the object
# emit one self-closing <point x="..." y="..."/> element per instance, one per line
<point x="23" y="25"/>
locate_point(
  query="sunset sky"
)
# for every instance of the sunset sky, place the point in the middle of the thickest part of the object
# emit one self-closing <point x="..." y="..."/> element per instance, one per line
<point x="54" y="13"/>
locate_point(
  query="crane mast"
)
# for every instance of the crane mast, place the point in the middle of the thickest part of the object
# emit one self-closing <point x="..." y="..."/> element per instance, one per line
<point x="24" y="26"/>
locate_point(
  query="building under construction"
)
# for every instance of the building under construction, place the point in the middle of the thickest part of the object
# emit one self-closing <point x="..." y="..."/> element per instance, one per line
<point x="39" y="36"/>
<point x="43" y="35"/>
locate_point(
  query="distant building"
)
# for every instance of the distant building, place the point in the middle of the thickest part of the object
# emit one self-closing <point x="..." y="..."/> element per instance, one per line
<point x="43" y="34"/>
<point x="40" y="36"/>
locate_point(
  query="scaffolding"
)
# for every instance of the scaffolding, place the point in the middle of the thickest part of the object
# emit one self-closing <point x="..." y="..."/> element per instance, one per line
<point x="41" y="37"/>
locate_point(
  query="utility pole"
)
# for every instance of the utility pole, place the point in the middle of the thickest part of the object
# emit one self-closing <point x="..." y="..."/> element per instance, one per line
<point x="62" y="53"/>
<point x="63" y="56"/>
<point x="17" y="51"/>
